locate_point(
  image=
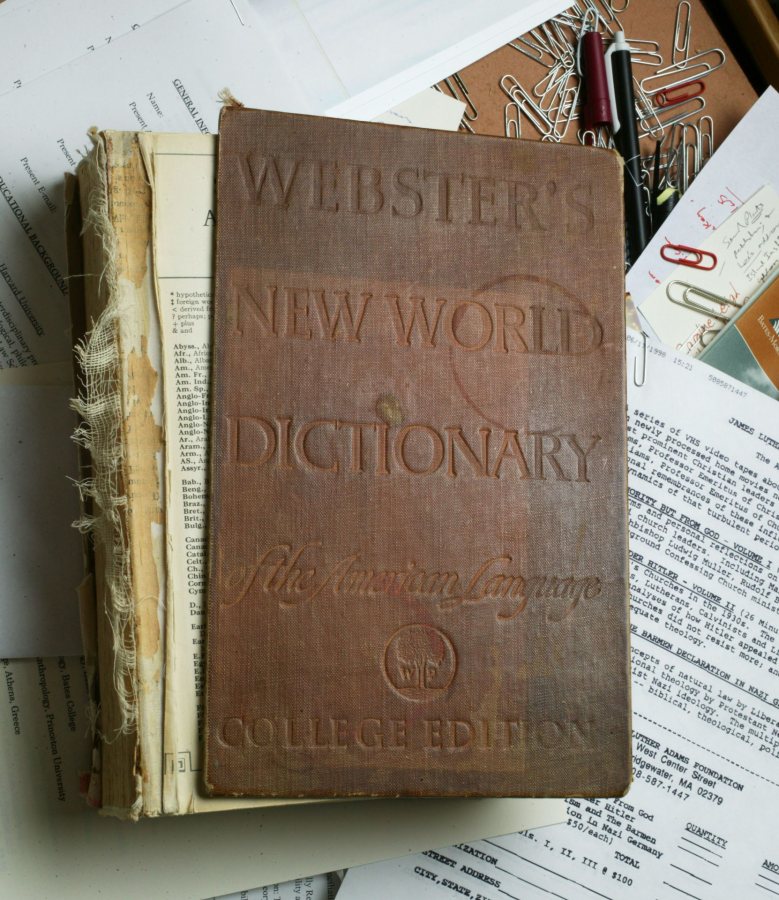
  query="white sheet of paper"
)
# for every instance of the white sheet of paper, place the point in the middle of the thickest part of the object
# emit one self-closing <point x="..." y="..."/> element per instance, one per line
<point x="746" y="160"/>
<point x="7" y="6"/>
<point x="40" y="553"/>
<point x="428" y="109"/>
<point x="51" y="845"/>
<point x="700" y="819"/>
<point x="164" y="77"/>
<point x="359" y="59"/>
<point x="746" y="248"/>
<point x="48" y="33"/>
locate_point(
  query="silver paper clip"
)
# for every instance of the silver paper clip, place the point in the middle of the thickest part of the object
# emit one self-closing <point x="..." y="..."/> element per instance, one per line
<point x="681" y="43"/>
<point x="512" y="119"/>
<point x="697" y="298"/>
<point x="636" y="382"/>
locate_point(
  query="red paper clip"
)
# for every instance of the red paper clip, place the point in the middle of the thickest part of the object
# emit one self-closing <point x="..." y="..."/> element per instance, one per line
<point x="695" y="259"/>
<point x="668" y="96"/>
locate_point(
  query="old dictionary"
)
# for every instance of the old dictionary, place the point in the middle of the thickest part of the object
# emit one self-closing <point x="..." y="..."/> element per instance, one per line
<point x="418" y="530"/>
<point x="141" y="261"/>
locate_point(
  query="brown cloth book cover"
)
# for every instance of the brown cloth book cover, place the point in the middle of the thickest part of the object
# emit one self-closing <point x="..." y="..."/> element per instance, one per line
<point x="418" y="539"/>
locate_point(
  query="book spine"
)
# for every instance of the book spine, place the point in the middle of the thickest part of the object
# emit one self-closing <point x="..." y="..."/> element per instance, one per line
<point x="140" y="357"/>
<point x="98" y="405"/>
<point x="120" y="407"/>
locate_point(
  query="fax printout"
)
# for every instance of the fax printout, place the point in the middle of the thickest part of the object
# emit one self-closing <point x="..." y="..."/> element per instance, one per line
<point x="700" y="818"/>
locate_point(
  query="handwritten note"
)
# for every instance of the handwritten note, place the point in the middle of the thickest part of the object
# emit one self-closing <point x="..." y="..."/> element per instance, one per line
<point x="753" y="239"/>
<point x="746" y="248"/>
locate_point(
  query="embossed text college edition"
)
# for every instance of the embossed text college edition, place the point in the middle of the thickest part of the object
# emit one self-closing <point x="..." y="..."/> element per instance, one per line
<point x="418" y="543"/>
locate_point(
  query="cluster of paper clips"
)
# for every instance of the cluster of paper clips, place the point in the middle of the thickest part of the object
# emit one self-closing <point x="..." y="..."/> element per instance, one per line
<point x="684" y="150"/>
<point x="667" y="99"/>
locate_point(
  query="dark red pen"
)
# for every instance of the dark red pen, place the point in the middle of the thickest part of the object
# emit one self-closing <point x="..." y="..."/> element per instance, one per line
<point x="597" y="109"/>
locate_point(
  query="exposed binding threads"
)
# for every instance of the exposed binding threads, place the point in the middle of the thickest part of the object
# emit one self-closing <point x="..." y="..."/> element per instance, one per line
<point x="99" y="405"/>
<point x="228" y="99"/>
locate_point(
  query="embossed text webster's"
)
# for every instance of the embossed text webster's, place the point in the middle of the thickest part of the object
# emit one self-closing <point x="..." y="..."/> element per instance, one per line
<point x="409" y="192"/>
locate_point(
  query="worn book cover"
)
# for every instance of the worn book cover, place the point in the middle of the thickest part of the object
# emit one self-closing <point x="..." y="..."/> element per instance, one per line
<point x="418" y="528"/>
